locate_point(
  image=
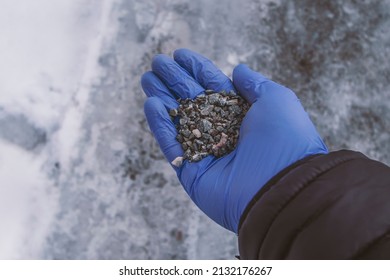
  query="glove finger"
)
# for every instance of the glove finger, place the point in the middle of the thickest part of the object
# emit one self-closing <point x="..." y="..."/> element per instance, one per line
<point x="175" y="77"/>
<point x="162" y="128"/>
<point x="153" y="86"/>
<point x="248" y="82"/>
<point x="203" y="70"/>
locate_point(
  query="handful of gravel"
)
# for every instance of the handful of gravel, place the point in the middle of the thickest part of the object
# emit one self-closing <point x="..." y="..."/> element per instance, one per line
<point x="208" y="124"/>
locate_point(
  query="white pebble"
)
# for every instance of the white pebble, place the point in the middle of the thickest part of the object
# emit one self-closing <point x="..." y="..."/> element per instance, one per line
<point x="177" y="161"/>
<point x="197" y="133"/>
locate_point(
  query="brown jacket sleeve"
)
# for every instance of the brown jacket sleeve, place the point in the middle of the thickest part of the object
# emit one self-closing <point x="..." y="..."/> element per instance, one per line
<point x="334" y="206"/>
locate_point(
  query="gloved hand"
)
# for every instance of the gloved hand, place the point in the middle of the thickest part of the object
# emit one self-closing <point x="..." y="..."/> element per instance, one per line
<point x="275" y="132"/>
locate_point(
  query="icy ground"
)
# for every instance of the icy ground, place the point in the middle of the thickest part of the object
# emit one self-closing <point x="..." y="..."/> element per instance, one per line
<point x="81" y="176"/>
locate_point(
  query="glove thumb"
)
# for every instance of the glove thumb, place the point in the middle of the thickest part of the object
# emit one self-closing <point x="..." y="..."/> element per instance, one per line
<point x="248" y="82"/>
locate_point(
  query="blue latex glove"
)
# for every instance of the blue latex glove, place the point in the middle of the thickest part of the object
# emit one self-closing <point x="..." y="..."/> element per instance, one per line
<point x="275" y="132"/>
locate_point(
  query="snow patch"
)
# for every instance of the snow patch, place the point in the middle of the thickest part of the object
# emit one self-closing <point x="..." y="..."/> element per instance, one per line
<point x="28" y="203"/>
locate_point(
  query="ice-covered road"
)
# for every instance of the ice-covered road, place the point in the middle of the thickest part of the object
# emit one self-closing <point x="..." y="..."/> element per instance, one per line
<point x="81" y="176"/>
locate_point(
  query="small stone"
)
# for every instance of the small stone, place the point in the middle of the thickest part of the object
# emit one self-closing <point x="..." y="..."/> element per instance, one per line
<point x="221" y="101"/>
<point x="232" y="102"/>
<point x="177" y="162"/>
<point x="205" y="125"/>
<point x="197" y="133"/>
<point x="183" y="121"/>
<point x="222" y="141"/>
<point x="196" y="157"/>
<point x="213" y="132"/>
<point x="206" y="110"/>
<point x="187" y="153"/>
<point x="179" y="138"/>
<point x="235" y="109"/>
<point x="173" y="112"/>
<point x="186" y="133"/>
<point x="213" y="98"/>
<point x="204" y="154"/>
<point x="206" y="136"/>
